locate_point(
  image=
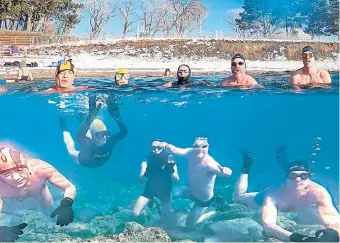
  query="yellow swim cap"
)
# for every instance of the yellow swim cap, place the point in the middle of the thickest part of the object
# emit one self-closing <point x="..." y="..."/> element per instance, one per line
<point x="122" y="71"/>
<point x="96" y="126"/>
<point x="68" y="65"/>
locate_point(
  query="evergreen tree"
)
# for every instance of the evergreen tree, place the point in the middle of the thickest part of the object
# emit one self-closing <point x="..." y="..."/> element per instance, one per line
<point x="333" y="12"/>
<point x="316" y="19"/>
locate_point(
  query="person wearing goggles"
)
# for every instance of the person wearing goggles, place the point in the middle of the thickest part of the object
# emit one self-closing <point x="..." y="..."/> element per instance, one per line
<point x="297" y="193"/>
<point x="309" y="74"/>
<point x="202" y="172"/>
<point x="24" y="177"/>
<point x="122" y="77"/>
<point x="239" y="77"/>
<point x="159" y="170"/>
<point x="95" y="141"/>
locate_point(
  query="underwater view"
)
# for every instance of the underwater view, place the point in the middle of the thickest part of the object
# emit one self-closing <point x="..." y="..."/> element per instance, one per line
<point x="107" y="188"/>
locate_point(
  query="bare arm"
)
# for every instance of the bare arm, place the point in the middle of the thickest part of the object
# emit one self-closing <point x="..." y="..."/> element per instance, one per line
<point x="57" y="179"/>
<point x="166" y="85"/>
<point x="177" y="151"/>
<point x="328" y="214"/>
<point x="217" y="169"/>
<point x="144" y="165"/>
<point x="1" y="203"/>
<point x="269" y="217"/>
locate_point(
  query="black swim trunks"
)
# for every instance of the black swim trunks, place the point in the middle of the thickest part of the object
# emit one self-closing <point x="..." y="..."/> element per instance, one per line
<point x="202" y="204"/>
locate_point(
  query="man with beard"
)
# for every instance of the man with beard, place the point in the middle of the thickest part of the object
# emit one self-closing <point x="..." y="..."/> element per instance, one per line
<point x="202" y="172"/>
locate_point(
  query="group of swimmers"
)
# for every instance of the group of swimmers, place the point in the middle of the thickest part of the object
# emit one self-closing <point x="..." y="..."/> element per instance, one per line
<point x="308" y="75"/>
<point x="22" y="177"/>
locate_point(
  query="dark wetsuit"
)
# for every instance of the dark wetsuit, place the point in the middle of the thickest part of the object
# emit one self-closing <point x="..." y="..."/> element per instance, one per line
<point x="92" y="157"/>
<point x="159" y="183"/>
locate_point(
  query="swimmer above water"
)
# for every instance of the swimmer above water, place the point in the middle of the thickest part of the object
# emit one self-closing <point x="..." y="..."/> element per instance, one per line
<point x="309" y="74"/>
<point x="297" y="193"/>
<point x="24" y="74"/>
<point x="159" y="171"/>
<point x="96" y="143"/>
<point x="64" y="79"/>
<point x="202" y="172"/>
<point x="122" y="77"/>
<point x="239" y="77"/>
<point x="22" y="177"/>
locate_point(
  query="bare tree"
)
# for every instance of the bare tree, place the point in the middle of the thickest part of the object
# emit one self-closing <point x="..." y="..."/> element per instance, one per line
<point x="183" y="15"/>
<point x="126" y="10"/>
<point x="231" y="20"/>
<point x="100" y="11"/>
<point x="151" y="15"/>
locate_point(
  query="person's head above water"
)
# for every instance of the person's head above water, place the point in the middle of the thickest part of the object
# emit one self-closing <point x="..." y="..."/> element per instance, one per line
<point x="13" y="167"/>
<point x="122" y="77"/>
<point x="183" y="74"/>
<point x="167" y="72"/>
<point x="65" y="75"/>
<point x="238" y="64"/>
<point x="308" y="56"/>
<point x="97" y="132"/>
<point x="298" y="173"/>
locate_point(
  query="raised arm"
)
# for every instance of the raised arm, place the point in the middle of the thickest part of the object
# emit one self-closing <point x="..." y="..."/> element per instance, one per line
<point x="177" y="151"/>
<point x="93" y="111"/>
<point x="115" y="114"/>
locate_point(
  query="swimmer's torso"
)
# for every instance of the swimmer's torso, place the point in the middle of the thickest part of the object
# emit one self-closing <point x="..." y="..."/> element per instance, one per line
<point x="290" y="202"/>
<point x="94" y="156"/>
<point x="303" y="79"/>
<point x="201" y="182"/>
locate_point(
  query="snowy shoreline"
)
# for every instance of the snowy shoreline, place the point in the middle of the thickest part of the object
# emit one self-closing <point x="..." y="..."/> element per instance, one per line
<point x="89" y="65"/>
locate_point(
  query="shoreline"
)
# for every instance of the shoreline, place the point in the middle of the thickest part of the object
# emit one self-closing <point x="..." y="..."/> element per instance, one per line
<point x="135" y="73"/>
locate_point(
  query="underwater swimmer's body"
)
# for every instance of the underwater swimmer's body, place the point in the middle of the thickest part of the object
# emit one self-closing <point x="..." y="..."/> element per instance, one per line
<point x="159" y="170"/>
<point x="22" y="177"/>
<point x="64" y="77"/>
<point x="93" y="138"/>
<point x="202" y="172"/>
<point x="296" y="193"/>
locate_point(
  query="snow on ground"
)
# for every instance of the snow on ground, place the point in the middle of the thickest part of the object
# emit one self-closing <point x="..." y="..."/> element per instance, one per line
<point x="86" y="61"/>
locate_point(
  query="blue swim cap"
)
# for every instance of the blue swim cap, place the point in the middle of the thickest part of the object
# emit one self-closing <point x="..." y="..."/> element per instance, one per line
<point x="308" y="49"/>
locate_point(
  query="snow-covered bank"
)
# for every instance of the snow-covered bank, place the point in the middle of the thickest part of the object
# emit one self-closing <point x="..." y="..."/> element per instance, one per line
<point x="86" y="61"/>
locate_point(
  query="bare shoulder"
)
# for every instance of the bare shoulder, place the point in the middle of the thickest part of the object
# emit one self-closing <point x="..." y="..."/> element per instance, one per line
<point x="251" y="80"/>
<point x="40" y="167"/>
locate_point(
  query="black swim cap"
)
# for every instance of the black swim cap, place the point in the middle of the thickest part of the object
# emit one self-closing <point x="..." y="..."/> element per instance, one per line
<point x="299" y="165"/>
<point x="238" y="55"/>
<point x="308" y="49"/>
<point x="184" y="80"/>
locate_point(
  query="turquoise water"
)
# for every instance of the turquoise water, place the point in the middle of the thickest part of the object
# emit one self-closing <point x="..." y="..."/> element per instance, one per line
<point x="260" y="120"/>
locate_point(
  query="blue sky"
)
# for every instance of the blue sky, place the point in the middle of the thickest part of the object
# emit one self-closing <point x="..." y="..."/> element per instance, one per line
<point x="217" y="11"/>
